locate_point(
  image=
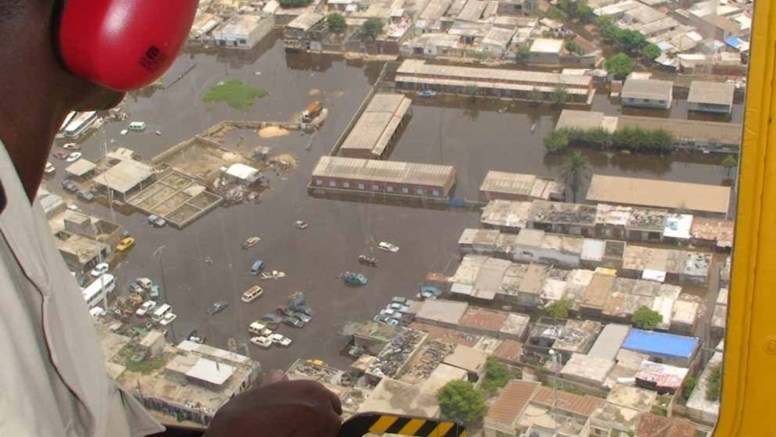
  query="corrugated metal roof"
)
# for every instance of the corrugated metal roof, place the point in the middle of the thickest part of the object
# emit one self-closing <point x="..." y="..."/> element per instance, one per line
<point x="568" y="402"/>
<point x="511" y="401"/>
<point x="125" y="175"/>
<point x="377" y="124"/>
<point x="383" y="171"/>
<point x="647" y="89"/>
<point x="713" y="93"/>
<point x="658" y="343"/>
<point x="418" y="67"/>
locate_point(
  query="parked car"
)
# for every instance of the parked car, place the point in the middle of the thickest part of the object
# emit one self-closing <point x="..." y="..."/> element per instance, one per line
<point x="85" y="195"/>
<point x="146" y="308"/>
<point x="280" y="339"/>
<point x="73" y="156"/>
<point x="302" y="316"/>
<point x="70" y="186"/>
<point x="284" y="311"/>
<point x="146" y="283"/>
<point x="262" y="342"/>
<point x="99" y="269"/>
<point x="367" y="260"/>
<point x="250" y="242"/>
<point x="156" y="220"/>
<point x="154" y="292"/>
<point x="354" y="278"/>
<point x="386" y="320"/>
<point x="259" y="329"/>
<point x="398" y="307"/>
<point x="61" y="154"/>
<point x="217" y="307"/>
<point x="401" y="300"/>
<point x="195" y="337"/>
<point x="302" y="309"/>
<point x="299" y="224"/>
<point x="125" y="244"/>
<point x="134" y="287"/>
<point x="293" y="321"/>
<point x="388" y="247"/>
<point x="272" y="318"/>
<point x="429" y="292"/>
<point x="97" y="312"/>
<point x="257" y="267"/>
<point x="252" y="294"/>
<point x="391" y="313"/>
<point x="49" y="168"/>
<point x="71" y="146"/>
<point x="167" y="319"/>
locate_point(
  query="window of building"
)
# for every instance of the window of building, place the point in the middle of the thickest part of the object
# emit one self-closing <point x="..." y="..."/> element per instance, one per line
<point x="333" y="184"/>
<point x="319" y="182"/>
<point x="420" y="192"/>
<point x="435" y="193"/>
<point x="405" y="190"/>
<point x="346" y="185"/>
<point x="361" y="186"/>
<point x="389" y="189"/>
<point x="375" y="187"/>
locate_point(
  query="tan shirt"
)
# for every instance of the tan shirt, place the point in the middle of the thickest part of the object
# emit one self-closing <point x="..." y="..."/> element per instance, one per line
<point x="53" y="380"/>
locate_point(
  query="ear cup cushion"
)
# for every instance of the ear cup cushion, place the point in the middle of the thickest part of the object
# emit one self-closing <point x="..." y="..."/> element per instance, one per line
<point x="123" y="44"/>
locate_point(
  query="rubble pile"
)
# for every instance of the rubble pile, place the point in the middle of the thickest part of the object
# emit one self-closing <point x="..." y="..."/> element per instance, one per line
<point x="395" y="354"/>
<point x="429" y="359"/>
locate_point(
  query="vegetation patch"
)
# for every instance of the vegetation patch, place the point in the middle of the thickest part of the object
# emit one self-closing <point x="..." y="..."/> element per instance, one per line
<point x="234" y="93"/>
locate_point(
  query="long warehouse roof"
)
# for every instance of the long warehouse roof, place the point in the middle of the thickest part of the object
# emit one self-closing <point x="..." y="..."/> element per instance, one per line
<point x="383" y="171"/>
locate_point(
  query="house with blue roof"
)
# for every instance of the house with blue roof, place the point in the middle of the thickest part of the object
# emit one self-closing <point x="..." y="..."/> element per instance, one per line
<point x="676" y="350"/>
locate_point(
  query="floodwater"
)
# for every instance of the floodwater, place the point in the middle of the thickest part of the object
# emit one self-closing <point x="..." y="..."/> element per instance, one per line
<point x="473" y="137"/>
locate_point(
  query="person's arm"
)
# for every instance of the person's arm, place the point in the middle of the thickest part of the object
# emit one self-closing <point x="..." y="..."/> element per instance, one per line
<point x="282" y="409"/>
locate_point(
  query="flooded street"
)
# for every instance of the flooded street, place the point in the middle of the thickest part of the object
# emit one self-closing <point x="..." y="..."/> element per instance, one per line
<point x="474" y="137"/>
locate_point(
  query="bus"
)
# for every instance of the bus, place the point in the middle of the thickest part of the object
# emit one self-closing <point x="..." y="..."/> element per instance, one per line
<point x="95" y="292"/>
<point x="160" y="312"/>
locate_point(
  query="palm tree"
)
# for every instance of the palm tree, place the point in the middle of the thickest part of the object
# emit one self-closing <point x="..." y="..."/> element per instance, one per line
<point x="575" y="172"/>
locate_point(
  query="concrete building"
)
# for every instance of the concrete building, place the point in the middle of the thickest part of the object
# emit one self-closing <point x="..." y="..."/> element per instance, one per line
<point x="417" y="75"/>
<point x="81" y="169"/>
<point x="662" y="378"/>
<point x="443" y="313"/>
<point x="546" y="51"/>
<point x="653" y="425"/>
<point x="377" y="127"/>
<point x="242" y="174"/>
<point x="243" y="31"/>
<point x="563" y="336"/>
<point x="372" y="337"/>
<point x="558" y="413"/>
<point x="621" y="411"/>
<point x="700" y="408"/>
<point x="563" y="218"/>
<point x="83" y="240"/>
<point x="381" y="178"/>
<point x="608" y="343"/>
<point x="704" y="200"/>
<point x="587" y="369"/>
<point x="515" y="186"/>
<point x="647" y="93"/>
<point x="396" y="397"/>
<point x="469" y="359"/>
<point x="716" y="97"/>
<point x="506" y="215"/>
<point x="51" y="203"/>
<point x="671" y="349"/>
<point x="298" y="33"/>
<point x="124" y="178"/>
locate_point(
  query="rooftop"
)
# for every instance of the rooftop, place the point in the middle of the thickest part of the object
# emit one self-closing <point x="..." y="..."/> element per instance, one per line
<point x="576" y="119"/>
<point x="80" y="167"/>
<point x="397" y="397"/>
<point x="661" y="344"/>
<point x="546" y="45"/>
<point x="305" y="21"/>
<point x="467" y="358"/>
<point x="443" y="311"/>
<point x="509" y="350"/>
<point x="608" y="343"/>
<point x="711" y="93"/>
<point x="687" y="130"/>
<point x="520" y="184"/>
<point x="647" y="89"/>
<point x="568" y="402"/>
<point x="585" y="367"/>
<point x="377" y="124"/>
<point x="563" y="213"/>
<point x="659" y="193"/>
<point x="654" y="425"/>
<point x="445" y="334"/>
<point x="511" y="401"/>
<point x="125" y="175"/>
<point x="661" y="376"/>
<point x="384" y="171"/>
<point x="483" y="319"/>
<point x="506" y="213"/>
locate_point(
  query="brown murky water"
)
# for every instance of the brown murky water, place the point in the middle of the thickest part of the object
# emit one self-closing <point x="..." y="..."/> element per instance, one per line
<point x="475" y="137"/>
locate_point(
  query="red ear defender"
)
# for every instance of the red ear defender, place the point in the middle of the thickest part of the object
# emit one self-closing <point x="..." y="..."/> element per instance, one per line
<point x="123" y="44"/>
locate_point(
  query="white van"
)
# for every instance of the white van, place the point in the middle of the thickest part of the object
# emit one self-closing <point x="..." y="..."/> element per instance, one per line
<point x="257" y="328"/>
<point x="161" y="312"/>
<point x="137" y="126"/>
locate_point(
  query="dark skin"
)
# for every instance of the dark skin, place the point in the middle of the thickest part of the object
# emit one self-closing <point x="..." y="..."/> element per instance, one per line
<point x="38" y="93"/>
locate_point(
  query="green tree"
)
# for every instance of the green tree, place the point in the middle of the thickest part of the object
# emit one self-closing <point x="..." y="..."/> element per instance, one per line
<point x="730" y="162"/>
<point x="688" y="385"/>
<point x="336" y="22"/>
<point x="619" y="65"/>
<point x="372" y="28"/>
<point x="646" y="318"/>
<point x="631" y="40"/>
<point x="651" y="52"/>
<point x="522" y="55"/>
<point x="294" y="3"/>
<point x="556" y="141"/>
<point x="560" y="308"/>
<point x="461" y="402"/>
<point x="535" y="96"/>
<point x="642" y="140"/>
<point x="575" y="9"/>
<point x="560" y="95"/>
<point x="571" y="46"/>
<point x="575" y="172"/>
<point x="714" y="384"/>
<point x="497" y="375"/>
<point x="596" y="138"/>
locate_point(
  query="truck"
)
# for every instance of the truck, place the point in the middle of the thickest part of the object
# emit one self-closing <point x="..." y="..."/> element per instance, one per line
<point x="311" y="111"/>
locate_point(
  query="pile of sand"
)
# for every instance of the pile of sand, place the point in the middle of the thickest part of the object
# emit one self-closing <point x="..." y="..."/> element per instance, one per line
<point x="314" y="92"/>
<point x="285" y="159"/>
<point x="272" y="132"/>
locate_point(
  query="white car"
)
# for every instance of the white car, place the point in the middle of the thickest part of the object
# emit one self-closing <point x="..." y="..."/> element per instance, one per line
<point x="99" y="270"/>
<point x="388" y="247"/>
<point x="49" y="168"/>
<point x="167" y="319"/>
<point x="74" y="156"/>
<point x="71" y="146"/>
<point x="262" y="342"/>
<point x="280" y="339"/>
<point x="97" y="312"/>
<point x="146" y="308"/>
<point x="252" y="294"/>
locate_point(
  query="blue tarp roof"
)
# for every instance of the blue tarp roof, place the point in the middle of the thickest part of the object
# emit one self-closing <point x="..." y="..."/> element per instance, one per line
<point x="658" y="343"/>
<point x="734" y="42"/>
